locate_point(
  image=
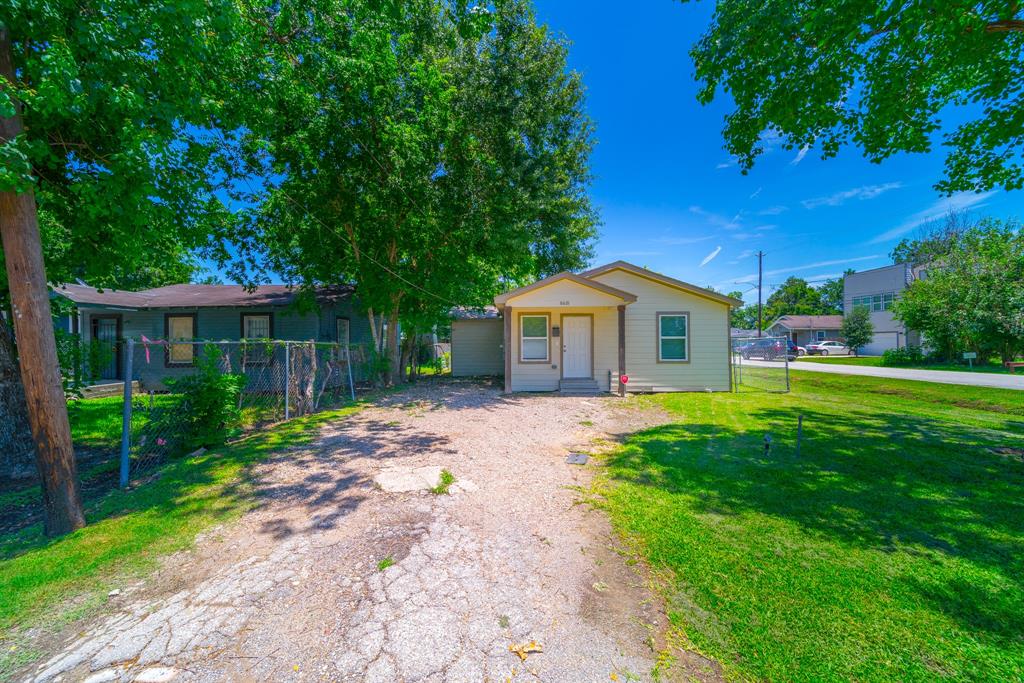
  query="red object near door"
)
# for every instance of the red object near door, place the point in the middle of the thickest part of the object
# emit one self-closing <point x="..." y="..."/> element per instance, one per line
<point x="624" y="379"/>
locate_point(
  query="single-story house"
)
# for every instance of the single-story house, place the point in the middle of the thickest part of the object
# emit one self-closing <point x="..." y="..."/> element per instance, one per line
<point x="204" y="312"/>
<point x="805" y="329"/>
<point x="617" y="327"/>
<point x="740" y="333"/>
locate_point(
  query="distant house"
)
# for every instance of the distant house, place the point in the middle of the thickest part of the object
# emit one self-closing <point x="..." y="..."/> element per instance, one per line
<point x="804" y="329"/>
<point x="877" y="290"/>
<point x="204" y="312"/>
<point x="618" y="327"/>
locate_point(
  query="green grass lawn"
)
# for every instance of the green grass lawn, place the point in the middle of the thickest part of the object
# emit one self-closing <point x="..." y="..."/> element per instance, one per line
<point x="892" y="548"/>
<point x="128" y="530"/>
<point x="876" y="362"/>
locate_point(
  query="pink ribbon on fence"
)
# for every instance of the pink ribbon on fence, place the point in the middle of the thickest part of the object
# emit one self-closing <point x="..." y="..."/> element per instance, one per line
<point x="146" y="342"/>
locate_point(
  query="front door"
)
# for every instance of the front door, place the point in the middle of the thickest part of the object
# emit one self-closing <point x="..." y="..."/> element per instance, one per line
<point x="576" y="346"/>
<point x="106" y="355"/>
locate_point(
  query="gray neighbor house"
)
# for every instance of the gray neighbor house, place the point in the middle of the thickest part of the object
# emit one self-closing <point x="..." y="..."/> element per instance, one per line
<point x="204" y="312"/>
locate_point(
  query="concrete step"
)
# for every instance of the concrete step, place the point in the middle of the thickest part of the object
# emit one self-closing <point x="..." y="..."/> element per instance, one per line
<point x="578" y="386"/>
<point x="104" y="388"/>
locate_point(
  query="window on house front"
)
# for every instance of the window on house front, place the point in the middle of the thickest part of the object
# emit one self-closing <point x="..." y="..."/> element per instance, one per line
<point x="820" y="335"/>
<point x="673" y="339"/>
<point x="257" y="326"/>
<point x="181" y="327"/>
<point x="533" y="344"/>
<point x="875" y="302"/>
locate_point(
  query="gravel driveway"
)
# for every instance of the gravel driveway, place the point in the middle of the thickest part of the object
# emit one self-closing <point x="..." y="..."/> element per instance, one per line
<point x="293" y="591"/>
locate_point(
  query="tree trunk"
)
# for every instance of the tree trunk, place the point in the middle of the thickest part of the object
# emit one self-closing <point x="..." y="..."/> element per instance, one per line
<point x="395" y="349"/>
<point x="17" y="452"/>
<point x="37" y="349"/>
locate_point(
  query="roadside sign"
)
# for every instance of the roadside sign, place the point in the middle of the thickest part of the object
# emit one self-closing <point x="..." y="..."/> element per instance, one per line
<point x="970" y="355"/>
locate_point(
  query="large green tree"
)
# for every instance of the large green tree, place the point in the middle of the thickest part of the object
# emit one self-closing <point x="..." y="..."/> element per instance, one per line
<point x="424" y="150"/>
<point x="879" y="74"/>
<point x="103" y="175"/>
<point x="972" y="295"/>
<point x="793" y="297"/>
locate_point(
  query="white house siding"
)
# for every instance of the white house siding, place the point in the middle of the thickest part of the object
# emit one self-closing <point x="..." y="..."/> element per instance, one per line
<point x="477" y="347"/>
<point x="708" y="367"/>
<point x="546" y="376"/>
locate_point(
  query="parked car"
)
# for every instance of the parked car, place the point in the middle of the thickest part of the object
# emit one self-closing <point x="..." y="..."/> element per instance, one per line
<point x="797" y="350"/>
<point x="768" y="349"/>
<point x="828" y="348"/>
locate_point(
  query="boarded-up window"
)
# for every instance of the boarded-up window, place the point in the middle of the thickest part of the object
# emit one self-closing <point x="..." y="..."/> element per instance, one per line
<point x="672" y="337"/>
<point x="181" y="327"/>
<point x="533" y="344"/>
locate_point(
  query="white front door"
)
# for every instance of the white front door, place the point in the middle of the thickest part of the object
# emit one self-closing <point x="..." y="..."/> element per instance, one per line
<point x="576" y="346"/>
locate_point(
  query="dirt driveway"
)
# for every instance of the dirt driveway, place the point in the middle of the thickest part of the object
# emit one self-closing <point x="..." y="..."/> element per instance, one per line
<point x="293" y="591"/>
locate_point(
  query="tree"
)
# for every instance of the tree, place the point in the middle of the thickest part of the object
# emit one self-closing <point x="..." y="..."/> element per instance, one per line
<point x="428" y="153"/>
<point x="857" y="329"/>
<point x="743" y="317"/>
<point x="972" y="298"/>
<point x="832" y="293"/>
<point x="793" y="297"/>
<point x="873" y="74"/>
<point x="103" y="174"/>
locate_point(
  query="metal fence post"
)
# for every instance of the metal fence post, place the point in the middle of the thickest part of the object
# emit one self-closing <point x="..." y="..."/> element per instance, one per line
<point x="126" y="415"/>
<point x="348" y="364"/>
<point x="287" y="378"/>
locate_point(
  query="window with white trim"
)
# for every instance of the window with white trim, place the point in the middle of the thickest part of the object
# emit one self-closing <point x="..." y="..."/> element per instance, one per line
<point x="819" y="335"/>
<point x="875" y="302"/>
<point x="533" y="338"/>
<point x="673" y="342"/>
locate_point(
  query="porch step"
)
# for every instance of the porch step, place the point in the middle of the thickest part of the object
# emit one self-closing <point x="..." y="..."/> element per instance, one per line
<point x="111" y="387"/>
<point x="578" y="386"/>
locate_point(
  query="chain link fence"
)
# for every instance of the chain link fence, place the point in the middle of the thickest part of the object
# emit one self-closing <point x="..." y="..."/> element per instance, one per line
<point x="174" y="384"/>
<point x="761" y="363"/>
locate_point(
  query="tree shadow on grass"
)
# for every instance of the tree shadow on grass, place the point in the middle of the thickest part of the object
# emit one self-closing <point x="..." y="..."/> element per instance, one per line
<point x="891" y="483"/>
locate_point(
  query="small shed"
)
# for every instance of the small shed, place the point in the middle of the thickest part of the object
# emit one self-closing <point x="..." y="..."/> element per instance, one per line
<point x="477" y="342"/>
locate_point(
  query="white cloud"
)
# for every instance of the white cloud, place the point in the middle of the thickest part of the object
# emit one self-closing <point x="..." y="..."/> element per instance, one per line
<point x="772" y="211"/>
<point x="863" y="192"/>
<point x="715" y="219"/>
<point x="710" y="257"/>
<point x="753" y="195"/>
<point x="800" y="155"/>
<point x="726" y="164"/>
<point x="809" y="266"/>
<point x="961" y="201"/>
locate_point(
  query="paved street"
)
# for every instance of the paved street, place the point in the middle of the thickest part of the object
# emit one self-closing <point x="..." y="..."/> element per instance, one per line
<point x="975" y="379"/>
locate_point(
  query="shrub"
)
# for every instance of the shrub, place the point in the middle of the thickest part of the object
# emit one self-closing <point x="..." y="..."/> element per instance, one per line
<point x="908" y="355"/>
<point x="208" y="413"/>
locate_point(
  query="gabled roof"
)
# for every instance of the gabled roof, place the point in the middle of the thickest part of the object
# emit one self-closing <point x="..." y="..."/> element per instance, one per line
<point x="663" y="279"/>
<point x="195" y="296"/>
<point x="565" y="275"/>
<point x="810" y="322"/>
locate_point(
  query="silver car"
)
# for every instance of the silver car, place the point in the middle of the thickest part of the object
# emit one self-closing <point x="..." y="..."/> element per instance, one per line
<point x="828" y="348"/>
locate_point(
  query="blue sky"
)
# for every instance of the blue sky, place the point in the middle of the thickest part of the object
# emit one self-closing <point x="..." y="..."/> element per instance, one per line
<point x="670" y="197"/>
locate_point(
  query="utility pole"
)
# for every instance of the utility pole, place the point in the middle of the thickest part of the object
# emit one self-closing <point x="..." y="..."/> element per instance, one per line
<point x="760" y="261"/>
<point x="33" y="334"/>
